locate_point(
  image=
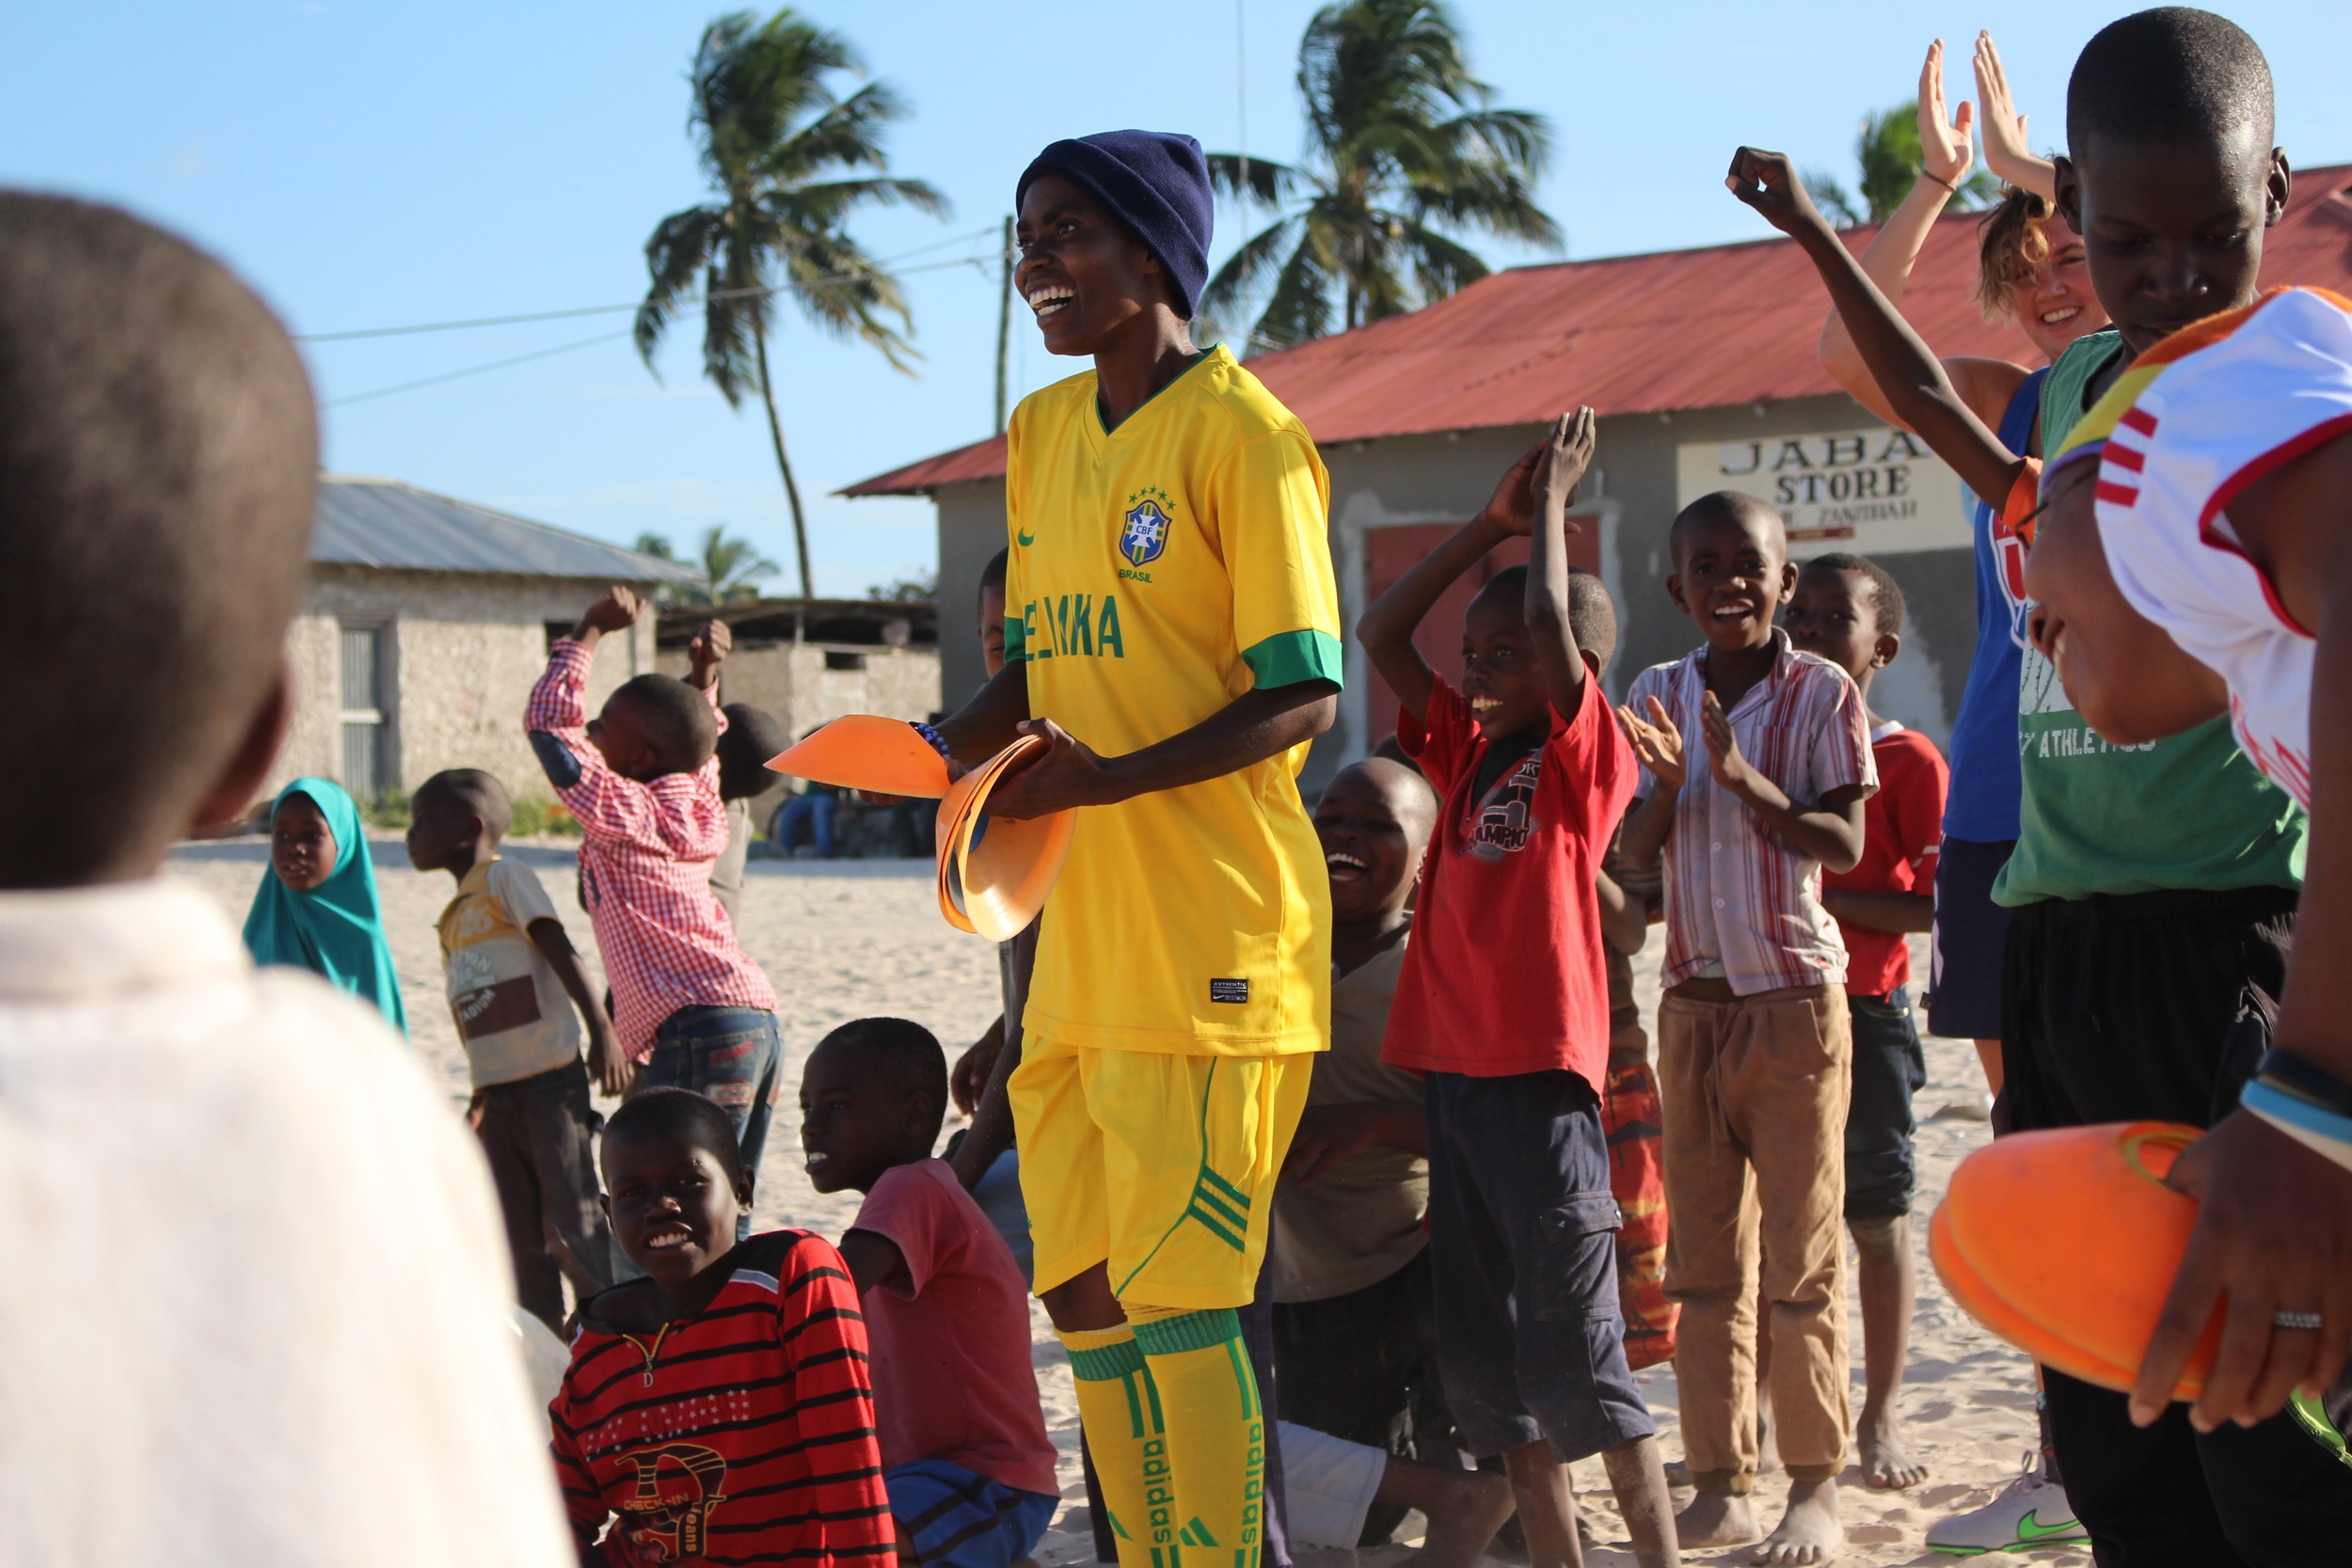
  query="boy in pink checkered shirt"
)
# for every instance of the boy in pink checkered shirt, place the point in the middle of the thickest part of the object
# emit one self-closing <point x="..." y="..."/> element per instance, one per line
<point x="690" y="1010"/>
<point x="1755" y="761"/>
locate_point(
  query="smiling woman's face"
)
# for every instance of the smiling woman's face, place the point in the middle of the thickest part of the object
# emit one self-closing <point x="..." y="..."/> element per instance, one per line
<point x="2057" y="304"/>
<point x="302" y="850"/>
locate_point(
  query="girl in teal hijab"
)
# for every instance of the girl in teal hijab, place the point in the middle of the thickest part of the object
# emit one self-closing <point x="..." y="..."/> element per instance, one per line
<point x="316" y="907"/>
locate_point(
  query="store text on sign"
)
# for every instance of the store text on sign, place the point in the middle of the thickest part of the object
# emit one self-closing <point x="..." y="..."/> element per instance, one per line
<point x="1877" y="491"/>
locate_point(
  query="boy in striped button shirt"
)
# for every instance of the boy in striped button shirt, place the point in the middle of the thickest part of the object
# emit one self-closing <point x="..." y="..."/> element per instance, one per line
<point x="1755" y="761"/>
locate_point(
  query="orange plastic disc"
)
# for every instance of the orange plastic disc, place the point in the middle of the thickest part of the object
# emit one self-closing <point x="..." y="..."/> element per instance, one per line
<point x="2065" y="1243"/>
<point x="863" y="751"/>
<point x="994" y="874"/>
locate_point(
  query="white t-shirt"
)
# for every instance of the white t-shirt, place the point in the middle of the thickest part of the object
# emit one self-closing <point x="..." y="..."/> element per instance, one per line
<point x="2189" y="426"/>
<point x="254" y="1297"/>
<point x="510" y="1009"/>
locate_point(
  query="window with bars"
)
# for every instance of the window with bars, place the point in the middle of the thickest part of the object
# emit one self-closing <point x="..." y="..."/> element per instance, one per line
<point x="365" y="773"/>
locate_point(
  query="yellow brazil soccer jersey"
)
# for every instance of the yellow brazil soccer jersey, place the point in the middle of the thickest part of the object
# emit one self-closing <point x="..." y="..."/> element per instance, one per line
<point x="1157" y="571"/>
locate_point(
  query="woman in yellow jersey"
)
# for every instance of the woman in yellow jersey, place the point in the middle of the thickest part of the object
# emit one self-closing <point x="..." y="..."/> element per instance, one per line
<point x="1172" y="632"/>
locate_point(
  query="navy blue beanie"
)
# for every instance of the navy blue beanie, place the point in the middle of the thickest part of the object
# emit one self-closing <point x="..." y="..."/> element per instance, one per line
<point x="1157" y="183"/>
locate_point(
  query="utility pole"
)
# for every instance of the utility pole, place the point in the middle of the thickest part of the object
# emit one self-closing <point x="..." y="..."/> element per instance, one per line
<point x="1241" y="88"/>
<point x="1004" y="327"/>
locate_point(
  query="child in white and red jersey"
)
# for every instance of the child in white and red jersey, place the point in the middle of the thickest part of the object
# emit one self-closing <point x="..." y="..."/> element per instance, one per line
<point x="1850" y="611"/>
<point x="642" y="777"/>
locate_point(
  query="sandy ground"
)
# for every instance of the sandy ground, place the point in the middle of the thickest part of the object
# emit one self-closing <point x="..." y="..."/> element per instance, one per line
<point x="845" y="940"/>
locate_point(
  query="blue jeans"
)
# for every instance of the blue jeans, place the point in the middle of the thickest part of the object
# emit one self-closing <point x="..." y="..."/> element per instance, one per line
<point x="728" y="1055"/>
<point x="816" y="809"/>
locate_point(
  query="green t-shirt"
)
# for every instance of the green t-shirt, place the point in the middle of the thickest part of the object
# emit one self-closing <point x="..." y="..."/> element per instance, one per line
<point x="2188" y="811"/>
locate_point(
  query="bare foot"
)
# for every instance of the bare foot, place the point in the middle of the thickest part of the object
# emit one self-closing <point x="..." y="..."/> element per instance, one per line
<point x="1678" y="1473"/>
<point x="1470" y="1508"/>
<point x="1886" y="1464"/>
<point x="1715" y="1519"/>
<point x="1809" y="1532"/>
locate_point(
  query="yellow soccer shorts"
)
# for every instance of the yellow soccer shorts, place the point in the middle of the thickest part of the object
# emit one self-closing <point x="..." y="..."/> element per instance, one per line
<point x="1161" y="1165"/>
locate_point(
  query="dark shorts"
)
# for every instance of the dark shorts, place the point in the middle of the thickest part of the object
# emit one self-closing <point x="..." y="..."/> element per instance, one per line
<point x="536" y="1134"/>
<point x="2158" y="1005"/>
<point x="1970" y="942"/>
<point x="956" y="1520"/>
<point x="1889" y="1069"/>
<point x="1523" y="1248"/>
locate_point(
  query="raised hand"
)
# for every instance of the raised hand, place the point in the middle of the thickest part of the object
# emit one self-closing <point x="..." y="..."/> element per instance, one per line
<point x="1560" y="465"/>
<point x="1511" y="507"/>
<point x="710" y="646"/>
<point x="1765" y="182"/>
<point x="1658" y="743"/>
<point x="617" y="611"/>
<point x="1944" y="151"/>
<point x="2006" y="151"/>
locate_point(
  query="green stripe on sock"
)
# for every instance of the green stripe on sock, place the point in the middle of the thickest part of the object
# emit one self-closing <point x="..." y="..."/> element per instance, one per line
<point x="1242" y="1375"/>
<point x="1106" y="1363"/>
<point x="1188" y="1331"/>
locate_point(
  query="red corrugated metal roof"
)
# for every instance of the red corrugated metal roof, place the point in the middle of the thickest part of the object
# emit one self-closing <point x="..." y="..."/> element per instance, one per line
<point x="1720" y="326"/>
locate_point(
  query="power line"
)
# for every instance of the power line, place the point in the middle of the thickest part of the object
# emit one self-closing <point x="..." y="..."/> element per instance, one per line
<point x="632" y="305"/>
<point x="477" y="370"/>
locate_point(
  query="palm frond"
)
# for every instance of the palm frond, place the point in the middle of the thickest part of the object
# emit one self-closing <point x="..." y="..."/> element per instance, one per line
<point x="1269" y="183"/>
<point x="1246" y="269"/>
<point x="681" y="247"/>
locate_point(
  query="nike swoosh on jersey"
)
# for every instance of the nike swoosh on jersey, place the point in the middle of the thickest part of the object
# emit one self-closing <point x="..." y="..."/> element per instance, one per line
<point x="1024" y="538"/>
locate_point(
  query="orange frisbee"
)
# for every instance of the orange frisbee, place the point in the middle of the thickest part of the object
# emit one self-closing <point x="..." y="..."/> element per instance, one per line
<point x="2064" y="1243"/>
<point x="994" y="874"/>
<point x="863" y="751"/>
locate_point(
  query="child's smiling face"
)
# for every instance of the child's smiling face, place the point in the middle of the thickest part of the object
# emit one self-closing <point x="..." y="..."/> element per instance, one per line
<point x="1371" y="840"/>
<point x="1501" y="678"/>
<point x="1731" y="574"/>
<point x="673" y="1206"/>
<point x="855" y="1123"/>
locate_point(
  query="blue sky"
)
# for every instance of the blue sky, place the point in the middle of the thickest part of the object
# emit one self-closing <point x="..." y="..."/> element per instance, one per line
<point x="377" y="165"/>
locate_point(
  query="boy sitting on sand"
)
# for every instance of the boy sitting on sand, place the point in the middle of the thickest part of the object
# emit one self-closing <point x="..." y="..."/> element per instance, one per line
<point x="1503" y="1005"/>
<point x="509" y="964"/>
<point x="1850" y="611"/>
<point x="965" y="1454"/>
<point x="642" y="777"/>
<point x="719" y="1407"/>
<point x="1755" y="761"/>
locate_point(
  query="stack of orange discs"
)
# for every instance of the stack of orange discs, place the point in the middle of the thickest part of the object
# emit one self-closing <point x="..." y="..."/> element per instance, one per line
<point x="994" y="874"/>
<point x="863" y="751"/>
<point x="2064" y="1243"/>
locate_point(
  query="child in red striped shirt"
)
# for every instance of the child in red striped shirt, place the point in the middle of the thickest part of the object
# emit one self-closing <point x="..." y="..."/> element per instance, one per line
<point x="717" y="1409"/>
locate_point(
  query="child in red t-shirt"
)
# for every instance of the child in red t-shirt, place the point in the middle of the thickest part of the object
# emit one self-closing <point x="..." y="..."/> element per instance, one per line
<point x="1850" y="611"/>
<point x="720" y="1405"/>
<point x="1502" y="1006"/>
<point x="964" y="1452"/>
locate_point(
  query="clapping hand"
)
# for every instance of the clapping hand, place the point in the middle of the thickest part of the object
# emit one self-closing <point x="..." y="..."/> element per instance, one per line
<point x="710" y="646"/>
<point x="1657" y="742"/>
<point x="1723" y="760"/>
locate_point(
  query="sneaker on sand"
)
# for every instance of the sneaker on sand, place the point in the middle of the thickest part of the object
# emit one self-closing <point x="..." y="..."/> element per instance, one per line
<point x="2031" y="1511"/>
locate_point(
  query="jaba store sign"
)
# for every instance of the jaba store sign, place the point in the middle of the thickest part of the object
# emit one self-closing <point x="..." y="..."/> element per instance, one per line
<point x="1875" y="492"/>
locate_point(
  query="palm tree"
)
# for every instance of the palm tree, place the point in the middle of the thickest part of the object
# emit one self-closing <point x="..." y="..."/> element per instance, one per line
<point x="1887" y="155"/>
<point x="1404" y="149"/>
<point x="787" y="157"/>
<point x="731" y="568"/>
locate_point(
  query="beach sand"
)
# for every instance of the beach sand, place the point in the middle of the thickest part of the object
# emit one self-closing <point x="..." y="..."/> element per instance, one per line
<point x="844" y="940"/>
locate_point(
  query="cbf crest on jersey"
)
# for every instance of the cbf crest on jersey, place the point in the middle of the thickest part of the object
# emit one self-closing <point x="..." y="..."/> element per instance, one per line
<point x="1144" y="532"/>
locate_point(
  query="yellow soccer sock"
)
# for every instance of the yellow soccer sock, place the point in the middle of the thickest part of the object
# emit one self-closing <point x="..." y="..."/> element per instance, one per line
<point x="1121" y="1411"/>
<point x="1215" y="1434"/>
